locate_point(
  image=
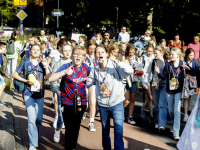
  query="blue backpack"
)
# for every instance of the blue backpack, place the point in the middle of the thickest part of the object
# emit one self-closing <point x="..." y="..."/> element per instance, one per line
<point x="19" y="85"/>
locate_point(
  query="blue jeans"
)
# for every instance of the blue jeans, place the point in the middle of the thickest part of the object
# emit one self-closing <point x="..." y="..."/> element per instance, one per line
<point x="60" y="117"/>
<point x="117" y="112"/>
<point x="34" y="109"/>
<point x="160" y="105"/>
<point x="174" y="106"/>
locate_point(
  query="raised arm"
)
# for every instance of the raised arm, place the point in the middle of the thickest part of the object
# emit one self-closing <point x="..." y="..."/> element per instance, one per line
<point x="61" y="72"/>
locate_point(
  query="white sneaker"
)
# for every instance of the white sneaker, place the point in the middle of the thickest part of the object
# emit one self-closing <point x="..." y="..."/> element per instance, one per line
<point x="55" y="122"/>
<point x="1" y="103"/>
<point x="176" y="137"/>
<point x="32" y="148"/>
<point x="161" y="128"/>
<point x="63" y="126"/>
<point x="156" y="126"/>
<point x="172" y="129"/>
<point x="130" y="120"/>
<point x="91" y="127"/>
<point x="84" y="116"/>
<point x="185" y="119"/>
<point x="56" y="136"/>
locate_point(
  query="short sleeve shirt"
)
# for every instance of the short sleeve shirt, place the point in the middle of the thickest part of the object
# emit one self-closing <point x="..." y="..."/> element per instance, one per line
<point x="40" y="73"/>
<point x="72" y="82"/>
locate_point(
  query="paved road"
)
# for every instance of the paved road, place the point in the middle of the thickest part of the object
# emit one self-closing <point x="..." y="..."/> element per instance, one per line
<point x="138" y="137"/>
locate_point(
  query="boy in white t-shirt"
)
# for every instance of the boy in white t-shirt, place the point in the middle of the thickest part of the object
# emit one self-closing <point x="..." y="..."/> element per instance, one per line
<point x="55" y="56"/>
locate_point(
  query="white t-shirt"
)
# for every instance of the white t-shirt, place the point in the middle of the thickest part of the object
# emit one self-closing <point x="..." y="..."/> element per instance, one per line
<point x="55" y="56"/>
<point x="124" y="37"/>
<point x="147" y="38"/>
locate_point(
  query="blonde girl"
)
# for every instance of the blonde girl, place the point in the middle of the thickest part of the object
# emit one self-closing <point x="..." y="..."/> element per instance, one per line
<point x="173" y="74"/>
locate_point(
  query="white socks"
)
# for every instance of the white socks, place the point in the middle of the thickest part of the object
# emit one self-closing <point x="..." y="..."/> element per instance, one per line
<point x="91" y="119"/>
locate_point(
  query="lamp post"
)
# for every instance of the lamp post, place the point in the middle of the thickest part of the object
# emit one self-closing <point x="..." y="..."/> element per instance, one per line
<point x="58" y="16"/>
<point x="117" y="17"/>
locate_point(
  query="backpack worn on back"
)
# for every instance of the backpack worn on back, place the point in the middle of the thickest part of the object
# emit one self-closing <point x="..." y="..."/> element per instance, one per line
<point x="10" y="46"/>
<point x="3" y="65"/>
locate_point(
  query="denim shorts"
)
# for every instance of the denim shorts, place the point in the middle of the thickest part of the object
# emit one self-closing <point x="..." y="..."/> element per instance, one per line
<point x="132" y="89"/>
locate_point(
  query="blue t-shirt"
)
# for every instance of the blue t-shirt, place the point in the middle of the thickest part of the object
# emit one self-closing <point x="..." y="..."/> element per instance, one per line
<point x="75" y="81"/>
<point x="46" y="53"/>
<point x="40" y="73"/>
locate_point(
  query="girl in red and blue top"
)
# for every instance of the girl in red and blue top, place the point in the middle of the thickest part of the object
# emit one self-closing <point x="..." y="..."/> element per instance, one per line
<point x="73" y="94"/>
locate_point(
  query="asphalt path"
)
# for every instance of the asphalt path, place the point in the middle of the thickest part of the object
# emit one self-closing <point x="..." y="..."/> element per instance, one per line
<point x="138" y="137"/>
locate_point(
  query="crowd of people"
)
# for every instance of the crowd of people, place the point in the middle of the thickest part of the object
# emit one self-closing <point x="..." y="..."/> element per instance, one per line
<point x="103" y="75"/>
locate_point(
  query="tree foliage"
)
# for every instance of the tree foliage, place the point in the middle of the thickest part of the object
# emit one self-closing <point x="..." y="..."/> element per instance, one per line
<point x="169" y="16"/>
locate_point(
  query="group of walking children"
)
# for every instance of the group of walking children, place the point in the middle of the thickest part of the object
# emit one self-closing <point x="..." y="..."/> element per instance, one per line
<point x="106" y="78"/>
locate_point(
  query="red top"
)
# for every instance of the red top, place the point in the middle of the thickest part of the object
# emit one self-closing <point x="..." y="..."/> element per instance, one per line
<point x="180" y="44"/>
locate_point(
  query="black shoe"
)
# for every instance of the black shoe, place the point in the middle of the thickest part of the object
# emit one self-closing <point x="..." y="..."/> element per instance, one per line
<point x="52" y="105"/>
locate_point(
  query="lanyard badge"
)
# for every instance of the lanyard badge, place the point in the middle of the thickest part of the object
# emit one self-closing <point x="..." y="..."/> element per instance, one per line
<point x="174" y="84"/>
<point x="104" y="86"/>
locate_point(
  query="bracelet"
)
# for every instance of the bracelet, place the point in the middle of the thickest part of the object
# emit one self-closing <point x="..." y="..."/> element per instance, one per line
<point x="46" y="67"/>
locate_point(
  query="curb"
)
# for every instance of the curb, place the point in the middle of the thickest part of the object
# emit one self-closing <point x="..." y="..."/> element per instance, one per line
<point x="19" y="140"/>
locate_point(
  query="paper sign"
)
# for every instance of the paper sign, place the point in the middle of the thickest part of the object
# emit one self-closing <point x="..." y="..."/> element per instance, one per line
<point x="76" y="37"/>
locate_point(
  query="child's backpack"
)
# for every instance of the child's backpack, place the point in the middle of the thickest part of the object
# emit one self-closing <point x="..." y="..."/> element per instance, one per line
<point x="10" y="46"/>
<point x="3" y="65"/>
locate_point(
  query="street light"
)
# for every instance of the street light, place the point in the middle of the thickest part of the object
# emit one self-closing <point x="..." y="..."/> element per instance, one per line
<point x="117" y="17"/>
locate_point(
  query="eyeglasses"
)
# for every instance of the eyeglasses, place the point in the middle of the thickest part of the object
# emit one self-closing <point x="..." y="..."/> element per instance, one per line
<point x="106" y="35"/>
<point x="76" y="55"/>
<point x="123" y="29"/>
<point x="148" y="33"/>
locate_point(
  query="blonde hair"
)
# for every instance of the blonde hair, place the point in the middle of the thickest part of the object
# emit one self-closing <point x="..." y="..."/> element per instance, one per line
<point x="55" y="41"/>
<point x="100" y="36"/>
<point x="164" y="51"/>
<point x="178" y="52"/>
<point x="112" y="47"/>
<point x="80" y="50"/>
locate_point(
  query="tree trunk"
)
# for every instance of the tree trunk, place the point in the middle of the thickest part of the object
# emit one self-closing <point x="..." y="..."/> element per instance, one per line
<point x="150" y="19"/>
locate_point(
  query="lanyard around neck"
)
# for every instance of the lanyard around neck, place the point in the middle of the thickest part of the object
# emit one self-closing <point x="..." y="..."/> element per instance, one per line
<point x="104" y="77"/>
<point x="78" y="78"/>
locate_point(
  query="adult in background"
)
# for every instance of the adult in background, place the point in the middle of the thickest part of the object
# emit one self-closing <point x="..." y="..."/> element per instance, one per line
<point x="147" y="35"/>
<point x="195" y="46"/>
<point x="42" y="36"/>
<point x="177" y="43"/>
<point x="12" y="58"/>
<point x="141" y="43"/>
<point x="107" y="35"/>
<point x="124" y="36"/>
